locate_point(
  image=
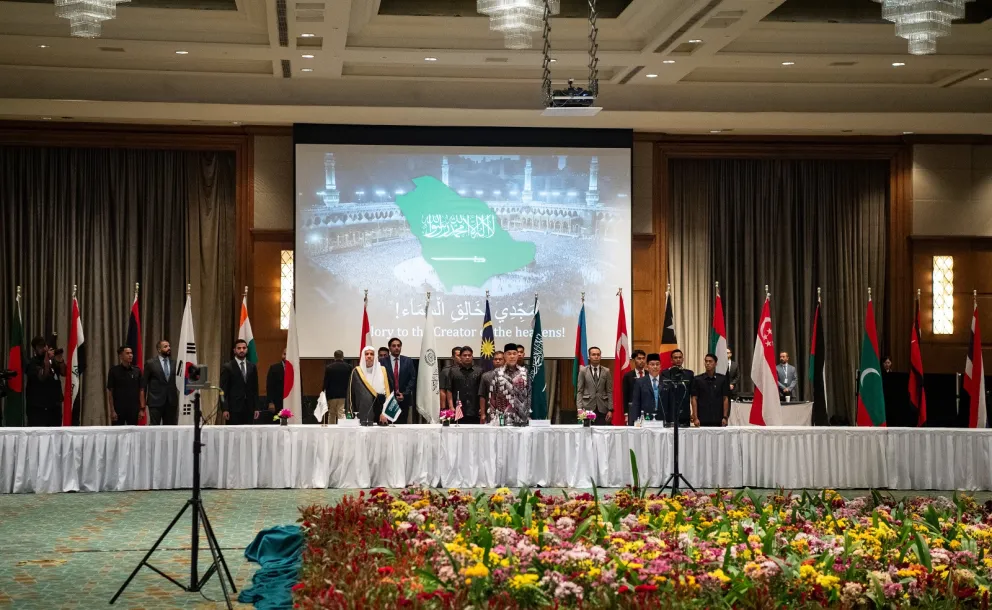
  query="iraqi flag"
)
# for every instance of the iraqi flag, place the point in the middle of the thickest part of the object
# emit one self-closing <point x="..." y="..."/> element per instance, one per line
<point x="718" y="336"/>
<point x="917" y="393"/>
<point x="13" y="411"/>
<point x="366" y="329"/>
<point x="133" y="341"/>
<point x="292" y="385"/>
<point x="871" y="398"/>
<point x="581" y="348"/>
<point x="244" y="331"/>
<point x="669" y="343"/>
<point x="974" y="377"/>
<point x="75" y="364"/>
<point x="766" y="406"/>
<point x="622" y="364"/>
<point x="818" y="369"/>
<point x="186" y="358"/>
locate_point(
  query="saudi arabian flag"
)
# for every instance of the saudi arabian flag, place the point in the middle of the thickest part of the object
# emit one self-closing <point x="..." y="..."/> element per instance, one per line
<point x="538" y="378"/>
<point x="718" y="337"/>
<point x="871" y="400"/>
<point x="244" y="332"/>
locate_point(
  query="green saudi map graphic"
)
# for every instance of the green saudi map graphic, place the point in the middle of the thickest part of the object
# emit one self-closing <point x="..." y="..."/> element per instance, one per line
<point x="460" y="237"/>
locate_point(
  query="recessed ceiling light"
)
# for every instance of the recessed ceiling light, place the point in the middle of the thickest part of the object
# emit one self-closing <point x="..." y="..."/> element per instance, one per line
<point x="695" y="41"/>
<point x="554" y="61"/>
<point x="43" y="46"/>
<point x="668" y="61"/>
<point x="898" y="64"/>
<point x="182" y="52"/>
<point x="430" y="59"/>
<point x="307" y="56"/>
<point x="788" y="63"/>
<point x="235" y="122"/>
<point x="650" y="76"/>
<point x="907" y="133"/>
<point x="716" y="131"/>
<point x="307" y="70"/>
<point x="46" y="118"/>
<point x="984" y="78"/>
<point x="307" y="35"/>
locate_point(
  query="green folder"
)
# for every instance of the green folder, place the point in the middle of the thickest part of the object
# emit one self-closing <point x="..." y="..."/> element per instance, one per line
<point x="392" y="408"/>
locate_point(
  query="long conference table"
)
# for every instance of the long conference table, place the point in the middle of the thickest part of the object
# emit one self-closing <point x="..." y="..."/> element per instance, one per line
<point x="50" y="460"/>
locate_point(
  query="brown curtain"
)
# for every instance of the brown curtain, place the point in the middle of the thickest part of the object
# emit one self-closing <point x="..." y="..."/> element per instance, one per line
<point x="104" y="219"/>
<point x="794" y="225"/>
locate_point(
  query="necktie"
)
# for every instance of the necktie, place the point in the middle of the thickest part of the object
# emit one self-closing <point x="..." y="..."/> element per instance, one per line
<point x="654" y="384"/>
<point x="640" y="374"/>
<point x="244" y="375"/>
<point x="165" y="367"/>
<point x="595" y="373"/>
<point x="396" y="371"/>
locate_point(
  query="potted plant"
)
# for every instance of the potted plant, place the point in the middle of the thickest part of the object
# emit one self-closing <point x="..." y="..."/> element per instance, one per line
<point x="586" y="417"/>
<point x="283" y="417"/>
<point x="447" y="416"/>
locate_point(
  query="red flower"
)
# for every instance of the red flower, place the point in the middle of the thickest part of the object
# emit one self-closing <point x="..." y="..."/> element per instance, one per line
<point x="386" y="570"/>
<point x="645" y="588"/>
<point x="298" y="586"/>
<point x="623" y="589"/>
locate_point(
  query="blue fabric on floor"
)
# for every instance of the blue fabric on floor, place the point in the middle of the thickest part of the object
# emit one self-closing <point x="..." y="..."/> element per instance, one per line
<point x="279" y="553"/>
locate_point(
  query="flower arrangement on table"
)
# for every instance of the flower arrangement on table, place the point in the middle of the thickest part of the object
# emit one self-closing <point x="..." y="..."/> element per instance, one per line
<point x="282" y="416"/>
<point x="447" y="416"/>
<point x="586" y="417"/>
<point x="420" y="548"/>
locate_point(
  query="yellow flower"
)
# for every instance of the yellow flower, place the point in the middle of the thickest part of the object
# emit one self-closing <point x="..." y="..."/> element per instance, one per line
<point x="523" y="580"/>
<point x="807" y="572"/>
<point x="955" y="545"/>
<point x="594" y="572"/>
<point x="635" y="566"/>
<point x="478" y="570"/>
<point x="719" y="575"/>
<point x="828" y="582"/>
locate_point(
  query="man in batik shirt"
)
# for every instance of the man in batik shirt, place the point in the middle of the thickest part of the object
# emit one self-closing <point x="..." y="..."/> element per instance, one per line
<point x="509" y="392"/>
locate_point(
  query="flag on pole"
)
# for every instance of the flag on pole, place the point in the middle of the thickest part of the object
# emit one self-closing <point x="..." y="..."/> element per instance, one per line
<point x="871" y="399"/>
<point x="818" y="367"/>
<point x="718" y="335"/>
<point x="428" y="387"/>
<point x="292" y="385"/>
<point x="622" y="359"/>
<point x="766" y="407"/>
<point x="669" y="343"/>
<point x="917" y="393"/>
<point x="13" y="412"/>
<point x="186" y="358"/>
<point x="581" y="346"/>
<point x="244" y="330"/>
<point x="459" y="414"/>
<point x="974" y="377"/>
<point x="366" y="329"/>
<point x="75" y="363"/>
<point x="538" y="378"/>
<point x="133" y="341"/>
<point x="488" y="348"/>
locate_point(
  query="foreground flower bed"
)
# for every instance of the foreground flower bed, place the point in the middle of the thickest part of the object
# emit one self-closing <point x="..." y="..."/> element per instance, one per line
<point x="421" y="548"/>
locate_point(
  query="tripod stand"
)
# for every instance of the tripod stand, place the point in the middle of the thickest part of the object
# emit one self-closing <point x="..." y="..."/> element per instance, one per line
<point x="673" y="479"/>
<point x="199" y="514"/>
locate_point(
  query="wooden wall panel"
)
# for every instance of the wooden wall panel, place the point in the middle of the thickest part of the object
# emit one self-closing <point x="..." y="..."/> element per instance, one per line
<point x="645" y="323"/>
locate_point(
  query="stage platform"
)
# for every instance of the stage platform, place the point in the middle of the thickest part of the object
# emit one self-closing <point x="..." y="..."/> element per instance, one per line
<point x="50" y="460"/>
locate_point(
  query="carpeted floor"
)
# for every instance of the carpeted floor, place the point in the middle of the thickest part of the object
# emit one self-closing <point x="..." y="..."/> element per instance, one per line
<point x="75" y="550"/>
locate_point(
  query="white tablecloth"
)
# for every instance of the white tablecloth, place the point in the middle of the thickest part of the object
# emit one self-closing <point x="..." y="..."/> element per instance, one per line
<point x="46" y="460"/>
<point x="793" y="414"/>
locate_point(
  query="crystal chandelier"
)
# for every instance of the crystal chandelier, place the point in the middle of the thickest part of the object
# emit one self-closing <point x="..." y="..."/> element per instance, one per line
<point x="86" y="16"/>
<point x="922" y="22"/>
<point x="517" y="19"/>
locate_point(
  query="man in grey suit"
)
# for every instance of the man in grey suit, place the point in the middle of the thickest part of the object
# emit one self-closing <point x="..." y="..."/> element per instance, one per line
<point x="161" y="395"/>
<point x="733" y="375"/>
<point x="594" y="388"/>
<point x="786" y="377"/>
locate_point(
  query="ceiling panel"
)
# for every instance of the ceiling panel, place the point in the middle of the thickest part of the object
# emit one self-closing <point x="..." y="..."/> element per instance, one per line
<point x="606" y="9"/>
<point x="857" y="11"/>
<point x="199" y="5"/>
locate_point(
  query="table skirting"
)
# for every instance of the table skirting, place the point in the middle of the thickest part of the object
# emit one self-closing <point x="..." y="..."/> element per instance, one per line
<point x="48" y="460"/>
<point x="793" y="414"/>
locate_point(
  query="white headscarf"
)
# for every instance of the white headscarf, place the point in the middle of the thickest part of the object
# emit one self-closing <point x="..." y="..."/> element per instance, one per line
<point x="374" y="374"/>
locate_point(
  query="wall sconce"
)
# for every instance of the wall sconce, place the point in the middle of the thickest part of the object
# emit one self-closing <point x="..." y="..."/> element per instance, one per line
<point x="285" y="287"/>
<point x="943" y="295"/>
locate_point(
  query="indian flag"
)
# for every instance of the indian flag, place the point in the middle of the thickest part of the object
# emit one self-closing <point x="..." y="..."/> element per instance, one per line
<point x="244" y="332"/>
<point x="718" y="337"/>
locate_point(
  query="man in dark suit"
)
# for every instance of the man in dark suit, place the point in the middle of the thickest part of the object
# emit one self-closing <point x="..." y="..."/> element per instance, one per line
<point x="676" y="383"/>
<point x="733" y="375"/>
<point x="646" y="395"/>
<point x="631" y="376"/>
<point x="402" y="379"/>
<point x="337" y="376"/>
<point x="239" y="382"/>
<point x="274" y="387"/>
<point x="161" y="394"/>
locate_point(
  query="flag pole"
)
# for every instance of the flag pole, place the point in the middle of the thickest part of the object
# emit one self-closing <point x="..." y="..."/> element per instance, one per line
<point x="768" y="295"/>
<point x="818" y="295"/>
<point x="366" y="301"/>
<point x="188" y="286"/>
<point x="245" y="295"/>
<point x="717" y="288"/>
<point x="74" y="289"/>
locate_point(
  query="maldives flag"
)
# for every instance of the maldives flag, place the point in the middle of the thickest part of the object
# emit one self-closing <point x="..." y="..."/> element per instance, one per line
<point x="974" y="377"/>
<point x="292" y="389"/>
<point x="366" y="329"/>
<point x="669" y="343"/>
<point x="718" y="337"/>
<point x="186" y="357"/>
<point x="13" y="412"/>
<point x="622" y="360"/>
<point x="871" y="399"/>
<point x="766" y="406"/>
<point x="134" y="342"/>
<point x="244" y="330"/>
<point x="581" y="348"/>
<point x="917" y="393"/>
<point x="75" y="363"/>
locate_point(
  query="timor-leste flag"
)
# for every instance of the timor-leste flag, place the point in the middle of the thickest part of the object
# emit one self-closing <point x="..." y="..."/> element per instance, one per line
<point x="669" y="343"/>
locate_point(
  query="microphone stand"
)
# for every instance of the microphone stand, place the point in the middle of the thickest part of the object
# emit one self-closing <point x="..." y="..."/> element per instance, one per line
<point x="676" y="476"/>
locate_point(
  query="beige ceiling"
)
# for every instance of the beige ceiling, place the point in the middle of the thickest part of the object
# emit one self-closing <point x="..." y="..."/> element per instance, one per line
<point x="369" y="67"/>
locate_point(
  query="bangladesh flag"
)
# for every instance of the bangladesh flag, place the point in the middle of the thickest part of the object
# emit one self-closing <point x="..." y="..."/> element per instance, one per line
<point x="538" y="378"/>
<point x="13" y="412"/>
<point x="871" y="400"/>
<point x="244" y="332"/>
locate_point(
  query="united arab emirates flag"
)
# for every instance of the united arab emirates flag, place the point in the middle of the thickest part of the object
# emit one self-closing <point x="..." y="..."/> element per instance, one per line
<point x="818" y="369"/>
<point x="871" y="399"/>
<point x="718" y="337"/>
<point x="13" y="412"/>
<point x="244" y="331"/>
<point x="538" y="378"/>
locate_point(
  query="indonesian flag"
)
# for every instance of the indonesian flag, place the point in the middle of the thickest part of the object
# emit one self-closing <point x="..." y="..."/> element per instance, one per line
<point x="974" y="377"/>
<point x="917" y="393"/>
<point x="366" y="329"/>
<point x="292" y="388"/>
<point x="74" y="363"/>
<point x="766" y="406"/>
<point x="622" y="364"/>
<point x="718" y="337"/>
<point x="186" y="357"/>
<point x="669" y="343"/>
<point x="134" y="342"/>
<point x="244" y="332"/>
